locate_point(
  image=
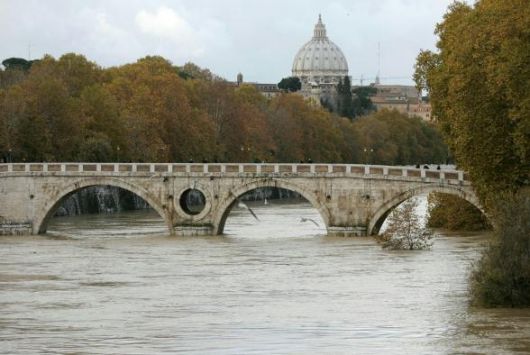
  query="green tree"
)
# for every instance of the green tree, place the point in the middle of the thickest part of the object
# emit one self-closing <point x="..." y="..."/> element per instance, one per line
<point x="290" y="84"/>
<point x="17" y="64"/>
<point x="502" y="276"/>
<point x="345" y="99"/>
<point x="362" y="105"/>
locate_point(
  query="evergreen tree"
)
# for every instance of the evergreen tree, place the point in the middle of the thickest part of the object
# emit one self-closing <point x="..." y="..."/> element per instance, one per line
<point x="290" y="84"/>
<point x="345" y="99"/>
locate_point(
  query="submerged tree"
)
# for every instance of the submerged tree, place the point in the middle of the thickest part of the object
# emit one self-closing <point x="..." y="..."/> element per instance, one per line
<point x="405" y="230"/>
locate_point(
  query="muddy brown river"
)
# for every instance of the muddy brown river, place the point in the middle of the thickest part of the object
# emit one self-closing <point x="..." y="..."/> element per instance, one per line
<point x="117" y="284"/>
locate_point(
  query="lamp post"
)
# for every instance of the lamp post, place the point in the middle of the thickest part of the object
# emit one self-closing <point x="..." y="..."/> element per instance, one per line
<point x="118" y="153"/>
<point x="9" y="157"/>
<point x="367" y="155"/>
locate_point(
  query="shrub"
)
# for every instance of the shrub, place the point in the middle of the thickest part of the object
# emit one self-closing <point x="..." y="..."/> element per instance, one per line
<point x="502" y="275"/>
<point x="405" y="230"/>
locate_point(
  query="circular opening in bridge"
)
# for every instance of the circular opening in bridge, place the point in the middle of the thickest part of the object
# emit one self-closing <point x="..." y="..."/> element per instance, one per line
<point x="192" y="201"/>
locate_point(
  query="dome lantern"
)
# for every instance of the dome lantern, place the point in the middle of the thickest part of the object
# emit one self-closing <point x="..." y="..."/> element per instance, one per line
<point x="320" y="29"/>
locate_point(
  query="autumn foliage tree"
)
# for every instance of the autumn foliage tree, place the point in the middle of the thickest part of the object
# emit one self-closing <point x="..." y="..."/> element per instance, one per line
<point x="479" y="87"/>
<point x="71" y="109"/>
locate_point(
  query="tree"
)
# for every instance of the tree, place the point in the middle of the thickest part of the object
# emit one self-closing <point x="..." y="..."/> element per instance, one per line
<point x="345" y="98"/>
<point x="405" y="230"/>
<point x="479" y="88"/>
<point x="17" y="64"/>
<point x="193" y="71"/>
<point x="502" y="275"/>
<point x="362" y="105"/>
<point x="393" y="138"/>
<point x="290" y="84"/>
<point x="454" y="213"/>
<point x="96" y="149"/>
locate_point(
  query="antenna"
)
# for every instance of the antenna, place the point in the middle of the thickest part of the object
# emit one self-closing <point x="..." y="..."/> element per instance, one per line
<point x="362" y="79"/>
<point x="29" y="51"/>
<point x="377" y="82"/>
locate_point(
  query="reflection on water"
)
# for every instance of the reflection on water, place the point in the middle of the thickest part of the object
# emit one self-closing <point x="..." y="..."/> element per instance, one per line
<point x="115" y="284"/>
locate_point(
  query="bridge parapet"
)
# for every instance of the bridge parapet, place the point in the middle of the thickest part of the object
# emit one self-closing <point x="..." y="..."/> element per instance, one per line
<point x="352" y="199"/>
<point x="142" y="169"/>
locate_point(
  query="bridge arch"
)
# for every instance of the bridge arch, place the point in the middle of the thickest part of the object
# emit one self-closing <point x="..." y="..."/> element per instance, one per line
<point x="382" y="212"/>
<point x="226" y="205"/>
<point x="47" y="211"/>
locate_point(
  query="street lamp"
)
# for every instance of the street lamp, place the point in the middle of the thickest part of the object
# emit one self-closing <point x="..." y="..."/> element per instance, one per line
<point x="118" y="153"/>
<point x="367" y="154"/>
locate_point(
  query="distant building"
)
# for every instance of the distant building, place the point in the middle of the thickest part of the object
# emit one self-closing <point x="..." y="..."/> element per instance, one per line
<point x="320" y="65"/>
<point x="403" y="98"/>
<point x="267" y="90"/>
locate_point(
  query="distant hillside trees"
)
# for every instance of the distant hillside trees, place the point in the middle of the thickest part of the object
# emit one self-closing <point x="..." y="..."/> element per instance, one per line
<point x="71" y="109"/>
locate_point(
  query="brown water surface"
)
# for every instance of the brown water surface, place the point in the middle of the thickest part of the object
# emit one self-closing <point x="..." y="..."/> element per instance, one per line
<point x="118" y="284"/>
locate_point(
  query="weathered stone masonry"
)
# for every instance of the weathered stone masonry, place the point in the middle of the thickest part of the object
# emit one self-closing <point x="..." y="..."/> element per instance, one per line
<point x="353" y="200"/>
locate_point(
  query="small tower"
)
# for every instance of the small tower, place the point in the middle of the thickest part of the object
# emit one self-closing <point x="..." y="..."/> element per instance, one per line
<point x="239" y="79"/>
<point x="320" y="29"/>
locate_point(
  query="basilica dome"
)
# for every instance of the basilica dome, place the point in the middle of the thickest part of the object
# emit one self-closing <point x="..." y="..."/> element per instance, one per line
<point x="320" y="61"/>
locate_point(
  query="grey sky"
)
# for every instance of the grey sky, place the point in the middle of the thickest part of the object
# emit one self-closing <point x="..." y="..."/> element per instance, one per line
<point x="259" y="38"/>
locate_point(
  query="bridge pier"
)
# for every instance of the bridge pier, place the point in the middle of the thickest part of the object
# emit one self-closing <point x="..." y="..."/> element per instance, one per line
<point x="194" y="230"/>
<point x="15" y="228"/>
<point x="354" y="231"/>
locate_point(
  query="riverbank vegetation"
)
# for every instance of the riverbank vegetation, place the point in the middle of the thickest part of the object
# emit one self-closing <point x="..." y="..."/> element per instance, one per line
<point x="71" y="109"/>
<point x="479" y="87"/>
<point x="455" y="214"/>
<point x="502" y="275"/>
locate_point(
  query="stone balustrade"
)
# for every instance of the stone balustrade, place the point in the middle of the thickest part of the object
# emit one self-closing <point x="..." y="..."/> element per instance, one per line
<point x="234" y="168"/>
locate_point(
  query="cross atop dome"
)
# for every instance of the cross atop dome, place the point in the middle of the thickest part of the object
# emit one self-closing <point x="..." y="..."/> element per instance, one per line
<point x="320" y="28"/>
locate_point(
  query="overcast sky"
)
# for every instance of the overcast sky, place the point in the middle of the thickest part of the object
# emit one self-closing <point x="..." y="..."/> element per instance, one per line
<point x="256" y="37"/>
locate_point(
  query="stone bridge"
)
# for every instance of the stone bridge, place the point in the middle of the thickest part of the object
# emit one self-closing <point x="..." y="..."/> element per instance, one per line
<point x="353" y="200"/>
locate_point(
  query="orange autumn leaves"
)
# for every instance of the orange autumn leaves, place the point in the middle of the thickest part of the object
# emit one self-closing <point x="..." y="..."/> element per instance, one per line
<point x="70" y="109"/>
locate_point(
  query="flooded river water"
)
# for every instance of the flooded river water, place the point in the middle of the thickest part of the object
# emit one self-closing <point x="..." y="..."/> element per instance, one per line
<point x="118" y="284"/>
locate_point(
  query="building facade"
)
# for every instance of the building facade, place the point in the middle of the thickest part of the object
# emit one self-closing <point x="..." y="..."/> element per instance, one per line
<point x="403" y="98"/>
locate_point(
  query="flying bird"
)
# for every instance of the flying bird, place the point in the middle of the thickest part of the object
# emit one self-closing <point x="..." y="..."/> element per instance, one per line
<point x="303" y="219"/>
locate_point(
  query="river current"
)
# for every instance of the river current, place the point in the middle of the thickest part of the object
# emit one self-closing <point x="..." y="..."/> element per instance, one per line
<point x="109" y="284"/>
